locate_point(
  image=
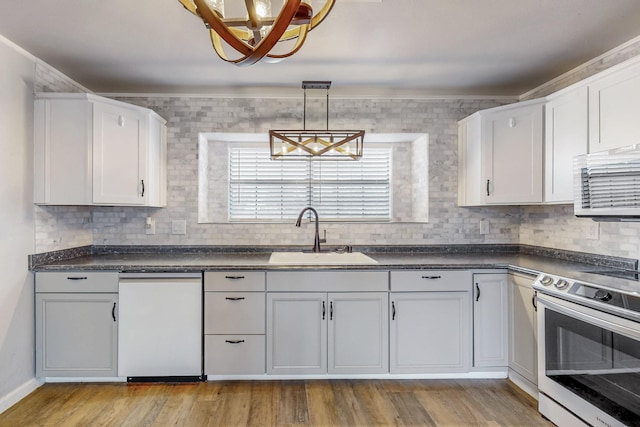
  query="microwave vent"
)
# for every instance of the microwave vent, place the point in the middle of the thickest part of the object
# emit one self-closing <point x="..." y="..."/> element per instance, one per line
<point x="611" y="185"/>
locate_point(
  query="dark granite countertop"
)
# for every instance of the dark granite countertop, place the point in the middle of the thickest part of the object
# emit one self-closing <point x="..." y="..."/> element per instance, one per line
<point x="520" y="258"/>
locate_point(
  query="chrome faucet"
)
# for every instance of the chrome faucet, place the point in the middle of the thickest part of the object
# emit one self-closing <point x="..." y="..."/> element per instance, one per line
<point x="317" y="240"/>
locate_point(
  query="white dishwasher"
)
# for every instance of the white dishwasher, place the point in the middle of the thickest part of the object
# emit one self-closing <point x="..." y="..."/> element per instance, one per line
<point x="160" y="326"/>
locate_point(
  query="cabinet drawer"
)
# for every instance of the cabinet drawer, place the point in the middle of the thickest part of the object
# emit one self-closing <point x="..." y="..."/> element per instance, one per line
<point x="77" y="281"/>
<point x="234" y="312"/>
<point x="234" y="354"/>
<point x="430" y="280"/>
<point x="234" y="280"/>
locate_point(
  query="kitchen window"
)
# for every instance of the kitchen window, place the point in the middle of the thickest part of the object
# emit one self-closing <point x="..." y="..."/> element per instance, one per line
<point x="239" y="183"/>
<point x="265" y="189"/>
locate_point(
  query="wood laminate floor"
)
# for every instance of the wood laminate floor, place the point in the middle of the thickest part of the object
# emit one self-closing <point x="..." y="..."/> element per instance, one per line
<point x="279" y="403"/>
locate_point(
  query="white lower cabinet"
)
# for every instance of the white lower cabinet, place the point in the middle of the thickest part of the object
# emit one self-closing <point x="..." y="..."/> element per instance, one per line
<point x="430" y="325"/>
<point x="358" y="333"/>
<point x="297" y="333"/>
<point x="335" y="333"/>
<point x="490" y="320"/>
<point x="523" y="339"/>
<point x="430" y="332"/>
<point x="76" y="324"/>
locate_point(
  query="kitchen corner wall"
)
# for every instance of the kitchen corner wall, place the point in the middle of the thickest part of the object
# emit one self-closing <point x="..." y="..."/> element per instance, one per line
<point x="556" y="226"/>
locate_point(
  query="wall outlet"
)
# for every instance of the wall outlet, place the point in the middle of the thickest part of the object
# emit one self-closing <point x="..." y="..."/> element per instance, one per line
<point x="150" y="226"/>
<point x="484" y="226"/>
<point x="179" y="226"/>
<point x="593" y="230"/>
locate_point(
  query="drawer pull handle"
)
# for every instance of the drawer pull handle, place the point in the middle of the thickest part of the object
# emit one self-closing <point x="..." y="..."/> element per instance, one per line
<point x="393" y="310"/>
<point x="234" y="277"/>
<point x="76" y="278"/>
<point x="234" y="341"/>
<point x="432" y="277"/>
<point x="113" y="312"/>
<point x="477" y="292"/>
<point x="234" y="298"/>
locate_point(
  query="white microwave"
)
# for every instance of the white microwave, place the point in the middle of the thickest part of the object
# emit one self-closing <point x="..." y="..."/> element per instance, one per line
<point x="607" y="184"/>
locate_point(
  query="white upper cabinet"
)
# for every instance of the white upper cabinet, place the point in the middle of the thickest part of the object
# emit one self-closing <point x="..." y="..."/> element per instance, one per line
<point x="614" y="108"/>
<point x="566" y="136"/>
<point x="512" y="154"/>
<point x="91" y="150"/>
<point x="500" y="156"/>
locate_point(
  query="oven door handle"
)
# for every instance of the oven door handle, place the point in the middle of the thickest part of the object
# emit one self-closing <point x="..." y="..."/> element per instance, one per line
<point x="604" y="320"/>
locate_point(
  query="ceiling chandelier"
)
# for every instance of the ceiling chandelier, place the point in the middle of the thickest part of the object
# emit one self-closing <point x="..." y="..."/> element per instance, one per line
<point x="316" y="144"/>
<point x="255" y="34"/>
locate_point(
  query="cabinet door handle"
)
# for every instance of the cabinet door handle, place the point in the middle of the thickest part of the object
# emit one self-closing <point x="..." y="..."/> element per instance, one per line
<point x="393" y="310"/>
<point x="488" y="185"/>
<point x="234" y="341"/>
<point x="477" y="292"/>
<point x="76" y="278"/>
<point x="432" y="277"/>
<point x="331" y="310"/>
<point x="234" y="277"/>
<point x="324" y="310"/>
<point x="113" y="312"/>
<point x="234" y="298"/>
<point x="142" y="183"/>
<point x="533" y="301"/>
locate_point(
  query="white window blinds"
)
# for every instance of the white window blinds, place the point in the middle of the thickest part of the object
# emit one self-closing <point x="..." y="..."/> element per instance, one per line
<point x="265" y="189"/>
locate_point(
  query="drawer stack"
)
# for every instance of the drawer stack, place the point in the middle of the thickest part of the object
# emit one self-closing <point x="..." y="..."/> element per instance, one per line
<point x="234" y="323"/>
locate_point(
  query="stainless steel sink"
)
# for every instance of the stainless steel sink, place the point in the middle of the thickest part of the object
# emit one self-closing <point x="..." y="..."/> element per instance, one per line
<point x="320" y="258"/>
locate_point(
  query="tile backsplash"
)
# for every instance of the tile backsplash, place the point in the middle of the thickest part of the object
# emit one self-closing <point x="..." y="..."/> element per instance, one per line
<point x="187" y="117"/>
<point x="551" y="226"/>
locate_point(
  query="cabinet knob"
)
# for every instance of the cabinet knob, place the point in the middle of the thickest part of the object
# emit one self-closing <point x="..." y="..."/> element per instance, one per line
<point x="121" y="121"/>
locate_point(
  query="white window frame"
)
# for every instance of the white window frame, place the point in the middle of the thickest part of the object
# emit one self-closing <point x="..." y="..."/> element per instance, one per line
<point x="409" y="181"/>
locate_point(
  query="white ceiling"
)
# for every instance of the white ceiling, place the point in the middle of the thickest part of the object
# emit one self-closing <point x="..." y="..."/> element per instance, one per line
<point x="366" y="47"/>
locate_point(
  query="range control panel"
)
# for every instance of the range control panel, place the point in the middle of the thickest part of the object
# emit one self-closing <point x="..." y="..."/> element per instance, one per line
<point x="589" y="294"/>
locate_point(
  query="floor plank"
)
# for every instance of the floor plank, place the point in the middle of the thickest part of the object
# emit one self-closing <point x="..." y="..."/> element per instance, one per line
<point x="485" y="403"/>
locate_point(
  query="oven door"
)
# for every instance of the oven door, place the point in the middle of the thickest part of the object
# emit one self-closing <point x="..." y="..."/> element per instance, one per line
<point x="588" y="363"/>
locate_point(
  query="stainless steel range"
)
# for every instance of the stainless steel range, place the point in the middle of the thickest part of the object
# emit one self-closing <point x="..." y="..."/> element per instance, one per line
<point x="589" y="349"/>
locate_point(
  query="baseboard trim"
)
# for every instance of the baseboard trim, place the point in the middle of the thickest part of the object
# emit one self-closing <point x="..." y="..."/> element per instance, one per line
<point x="18" y="394"/>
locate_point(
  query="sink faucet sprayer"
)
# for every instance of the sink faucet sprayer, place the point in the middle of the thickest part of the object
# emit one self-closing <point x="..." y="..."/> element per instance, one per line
<point x="317" y="240"/>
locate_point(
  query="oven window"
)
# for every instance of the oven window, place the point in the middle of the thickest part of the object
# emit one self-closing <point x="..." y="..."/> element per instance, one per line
<point x="600" y="366"/>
